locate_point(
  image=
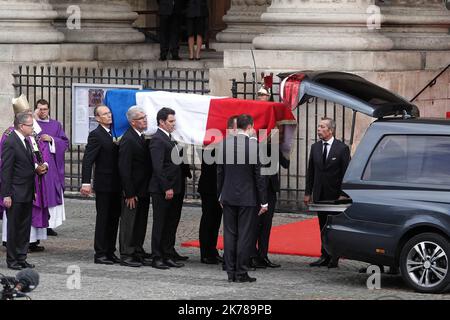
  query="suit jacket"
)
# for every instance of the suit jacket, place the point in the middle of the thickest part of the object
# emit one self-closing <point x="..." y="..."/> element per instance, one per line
<point x="240" y="184"/>
<point x="325" y="182"/>
<point x="197" y="8"/>
<point x="135" y="166"/>
<point x="17" y="172"/>
<point x="273" y="181"/>
<point x="169" y="7"/>
<point x="207" y="184"/>
<point x="166" y="174"/>
<point x="102" y="152"/>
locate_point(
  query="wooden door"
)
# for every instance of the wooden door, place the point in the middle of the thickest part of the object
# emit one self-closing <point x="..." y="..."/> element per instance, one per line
<point x="217" y="9"/>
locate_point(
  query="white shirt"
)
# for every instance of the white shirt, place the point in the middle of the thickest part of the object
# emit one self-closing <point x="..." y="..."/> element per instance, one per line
<point x="167" y="133"/>
<point x="330" y="142"/>
<point x="106" y="129"/>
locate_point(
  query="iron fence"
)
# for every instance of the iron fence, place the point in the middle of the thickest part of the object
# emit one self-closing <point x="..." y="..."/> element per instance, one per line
<point x="292" y="180"/>
<point x="55" y="85"/>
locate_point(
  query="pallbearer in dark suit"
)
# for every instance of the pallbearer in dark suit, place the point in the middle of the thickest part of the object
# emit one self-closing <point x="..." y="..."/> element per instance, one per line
<point x="167" y="188"/>
<point x="328" y="161"/>
<point x="260" y="257"/>
<point x="135" y="172"/>
<point x="103" y="152"/>
<point x="241" y="191"/>
<point x="211" y="209"/>
<point x="17" y="189"/>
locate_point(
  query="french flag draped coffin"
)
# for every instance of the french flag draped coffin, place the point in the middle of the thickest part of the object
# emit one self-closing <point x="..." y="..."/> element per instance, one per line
<point x="200" y="119"/>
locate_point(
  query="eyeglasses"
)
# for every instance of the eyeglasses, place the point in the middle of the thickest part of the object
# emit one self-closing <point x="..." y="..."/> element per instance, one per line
<point x="28" y="125"/>
<point x="141" y="118"/>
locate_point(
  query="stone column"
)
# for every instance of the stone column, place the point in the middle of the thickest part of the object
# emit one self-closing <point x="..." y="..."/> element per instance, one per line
<point x="338" y="25"/>
<point x="423" y="25"/>
<point x="102" y="21"/>
<point x="27" y="21"/>
<point x="243" y="23"/>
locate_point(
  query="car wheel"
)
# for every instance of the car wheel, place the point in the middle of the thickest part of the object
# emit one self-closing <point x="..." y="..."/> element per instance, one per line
<point x="424" y="263"/>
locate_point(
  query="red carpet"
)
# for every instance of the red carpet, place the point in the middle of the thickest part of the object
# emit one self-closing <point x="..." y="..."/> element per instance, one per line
<point x="299" y="238"/>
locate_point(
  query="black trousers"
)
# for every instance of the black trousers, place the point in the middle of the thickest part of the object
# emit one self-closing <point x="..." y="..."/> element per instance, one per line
<point x="238" y="223"/>
<point x="169" y="34"/>
<point x="209" y="225"/>
<point x="133" y="227"/>
<point x="108" y="205"/>
<point x="19" y="227"/>
<point x="264" y="226"/>
<point x="166" y="217"/>
<point x="323" y="216"/>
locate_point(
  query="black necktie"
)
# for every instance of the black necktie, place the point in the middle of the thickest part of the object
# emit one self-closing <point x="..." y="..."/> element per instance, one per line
<point x="324" y="153"/>
<point x="27" y="145"/>
<point x="143" y="138"/>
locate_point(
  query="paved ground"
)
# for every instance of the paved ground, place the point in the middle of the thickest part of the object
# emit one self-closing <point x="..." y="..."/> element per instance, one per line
<point x="295" y="280"/>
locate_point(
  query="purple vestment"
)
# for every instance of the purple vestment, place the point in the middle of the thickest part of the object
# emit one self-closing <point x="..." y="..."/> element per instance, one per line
<point x="54" y="179"/>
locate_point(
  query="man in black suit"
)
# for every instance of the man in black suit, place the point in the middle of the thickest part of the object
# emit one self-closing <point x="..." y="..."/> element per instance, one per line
<point x="170" y="16"/>
<point x="328" y="161"/>
<point x="260" y="257"/>
<point x="17" y="189"/>
<point x="103" y="152"/>
<point x="242" y="193"/>
<point x="167" y="188"/>
<point x="135" y="172"/>
<point x="211" y="209"/>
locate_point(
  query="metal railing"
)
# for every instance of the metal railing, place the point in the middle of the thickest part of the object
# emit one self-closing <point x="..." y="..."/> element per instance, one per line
<point x="55" y="85"/>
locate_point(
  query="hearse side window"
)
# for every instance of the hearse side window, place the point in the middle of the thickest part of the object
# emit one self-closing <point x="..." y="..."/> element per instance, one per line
<point x="410" y="159"/>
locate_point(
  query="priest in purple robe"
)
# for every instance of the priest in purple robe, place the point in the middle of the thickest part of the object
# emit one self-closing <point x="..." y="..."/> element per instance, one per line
<point x="52" y="135"/>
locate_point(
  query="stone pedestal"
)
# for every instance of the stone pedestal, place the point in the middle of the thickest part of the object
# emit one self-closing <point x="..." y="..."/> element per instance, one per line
<point x="243" y="24"/>
<point x="320" y="25"/>
<point x="422" y="26"/>
<point x="102" y="21"/>
<point x="27" y="21"/>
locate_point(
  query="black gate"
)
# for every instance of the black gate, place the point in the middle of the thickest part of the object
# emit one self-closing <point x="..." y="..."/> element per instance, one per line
<point x="292" y="180"/>
<point x="55" y="85"/>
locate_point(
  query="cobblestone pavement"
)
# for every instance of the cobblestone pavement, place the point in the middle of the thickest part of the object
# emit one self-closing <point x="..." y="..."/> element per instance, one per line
<point x="295" y="280"/>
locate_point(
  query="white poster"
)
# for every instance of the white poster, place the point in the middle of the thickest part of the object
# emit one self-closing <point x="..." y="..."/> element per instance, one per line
<point x="85" y="97"/>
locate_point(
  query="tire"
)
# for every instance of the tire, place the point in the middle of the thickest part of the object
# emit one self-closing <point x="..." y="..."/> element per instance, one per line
<point x="424" y="263"/>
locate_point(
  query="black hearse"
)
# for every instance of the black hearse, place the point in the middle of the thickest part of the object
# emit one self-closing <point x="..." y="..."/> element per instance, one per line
<point x="398" y="182"/>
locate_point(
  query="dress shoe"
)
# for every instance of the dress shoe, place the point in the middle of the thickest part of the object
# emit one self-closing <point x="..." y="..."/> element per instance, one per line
<point x="145" y="262"/>
<point x="323" y="261"/>
<point x="4" y="244"/>
<point x="51" y="232"/>
<point x="244" y="278"/>
<point x="103" y="260"/>
<point x="178" y="257"/>
<point x="209" y="260"/>
<point x="114" y="258"/>
<point x="334" y="263"/>
<point x="162" y="58"/>
<point x="129" y="262"/>
<point x="173" y="264"/>
<point x="219" y="259"/>
<point x="257" y="263"/>
<point x="270" y="264"/>
<point x="35" y="248"/>
<point x="159" y="264"/>
<point x="231" y="277"/>
<point x="15" y="266"/>
<point x="176" y="58"/>
<point x="25" y="264"/>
